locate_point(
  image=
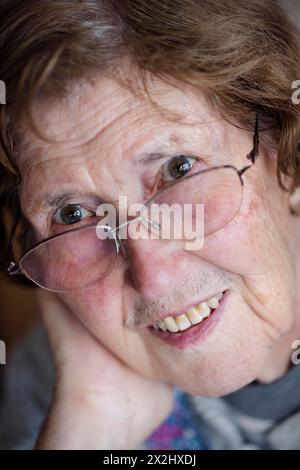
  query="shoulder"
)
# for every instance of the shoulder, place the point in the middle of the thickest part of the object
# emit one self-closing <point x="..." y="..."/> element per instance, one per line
<point x="26" y="391"/>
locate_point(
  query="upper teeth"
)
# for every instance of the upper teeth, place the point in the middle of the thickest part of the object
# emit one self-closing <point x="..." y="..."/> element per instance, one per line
<point x="193" y="316"/>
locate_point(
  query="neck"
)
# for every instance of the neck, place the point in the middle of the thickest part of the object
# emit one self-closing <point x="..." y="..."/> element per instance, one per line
<point x="280" y="359"/>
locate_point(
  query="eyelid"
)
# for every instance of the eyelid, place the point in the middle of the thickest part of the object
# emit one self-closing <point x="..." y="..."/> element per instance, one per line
<point x="64" y="204"/>
<point x="189" y="156"/>
<point x="153" y="182"/>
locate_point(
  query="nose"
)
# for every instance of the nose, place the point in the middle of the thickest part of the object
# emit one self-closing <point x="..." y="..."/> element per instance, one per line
<point x="156" y="267"/>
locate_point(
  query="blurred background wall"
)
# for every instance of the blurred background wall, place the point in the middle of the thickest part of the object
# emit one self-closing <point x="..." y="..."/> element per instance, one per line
<point x="17" y="311"/>
<point x="293" y="8"/>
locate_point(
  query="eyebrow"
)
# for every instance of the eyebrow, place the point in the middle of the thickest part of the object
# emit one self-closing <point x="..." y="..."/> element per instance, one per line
<point x="164" y="151"/>
<point x="51" y="201"/>
<point x="54" y="200"/>
<point x="148" y="158"/>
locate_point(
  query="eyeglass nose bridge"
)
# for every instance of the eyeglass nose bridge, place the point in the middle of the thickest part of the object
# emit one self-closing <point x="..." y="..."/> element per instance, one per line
<point x="121" y="246"/>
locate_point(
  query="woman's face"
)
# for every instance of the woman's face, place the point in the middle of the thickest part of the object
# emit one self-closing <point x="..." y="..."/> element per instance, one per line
<point x="106" y="135"/>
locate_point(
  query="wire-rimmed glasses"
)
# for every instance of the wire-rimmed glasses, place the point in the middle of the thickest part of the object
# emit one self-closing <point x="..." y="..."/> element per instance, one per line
<point x="82" y="256"/>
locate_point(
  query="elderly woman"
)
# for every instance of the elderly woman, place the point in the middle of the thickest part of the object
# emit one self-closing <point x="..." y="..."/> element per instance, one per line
<point x="155" y="343"/>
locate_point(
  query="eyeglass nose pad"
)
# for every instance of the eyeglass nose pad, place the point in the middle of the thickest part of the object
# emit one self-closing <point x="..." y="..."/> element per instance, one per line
<point x="122" y="248"/>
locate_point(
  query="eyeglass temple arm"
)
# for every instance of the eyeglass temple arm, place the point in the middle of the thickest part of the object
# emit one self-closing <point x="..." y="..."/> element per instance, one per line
<point x="255" y="150"/>
<point x="10" y="265"/>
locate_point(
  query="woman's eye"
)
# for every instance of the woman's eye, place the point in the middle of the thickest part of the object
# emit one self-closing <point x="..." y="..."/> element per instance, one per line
<point x="71" y="214"/>
<point x="177" y="167"/>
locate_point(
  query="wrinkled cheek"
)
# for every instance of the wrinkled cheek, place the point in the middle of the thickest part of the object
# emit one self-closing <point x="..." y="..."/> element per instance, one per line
<point x="250" y="243"/>
<point x="97" y="306"/>
<point x="100" y="309"/>
<point x="235" y="248"/>
<point x="253" y="247"/>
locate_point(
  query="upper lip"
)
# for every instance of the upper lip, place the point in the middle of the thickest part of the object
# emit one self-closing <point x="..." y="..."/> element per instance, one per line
<point x="182" y="310"/>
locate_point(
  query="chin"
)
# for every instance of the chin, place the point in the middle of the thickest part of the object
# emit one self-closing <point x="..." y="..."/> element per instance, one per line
<point x="228" y="355"/>
<point x="216" y="373"/>
<point x="216" y="382"/>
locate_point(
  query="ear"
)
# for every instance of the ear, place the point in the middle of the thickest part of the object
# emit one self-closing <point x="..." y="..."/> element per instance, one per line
<point x="294" y="202"/>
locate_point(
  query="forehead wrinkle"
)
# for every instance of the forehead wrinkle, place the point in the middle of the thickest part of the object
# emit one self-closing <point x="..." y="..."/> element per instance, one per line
<point x="90" y="110"/>
<point x="115" y="98"/>
<point x="110" y="122"/>
<point x="116" y="95"/>
<point x="34" y="149"/>
<point x="85" y="106"/>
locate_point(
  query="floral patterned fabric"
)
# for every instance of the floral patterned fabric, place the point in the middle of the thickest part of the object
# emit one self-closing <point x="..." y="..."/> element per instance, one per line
<point x="180" y="431"/>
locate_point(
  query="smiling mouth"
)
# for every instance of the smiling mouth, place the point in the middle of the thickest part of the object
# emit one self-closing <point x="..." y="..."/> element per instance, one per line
<point x="195" y="315"/>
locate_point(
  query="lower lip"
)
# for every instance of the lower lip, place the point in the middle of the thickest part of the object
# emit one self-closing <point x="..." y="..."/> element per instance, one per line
<point x="198" y="332"/>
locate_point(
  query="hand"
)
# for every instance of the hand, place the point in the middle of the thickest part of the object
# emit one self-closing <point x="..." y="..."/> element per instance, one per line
<point x="99" y="402"/>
